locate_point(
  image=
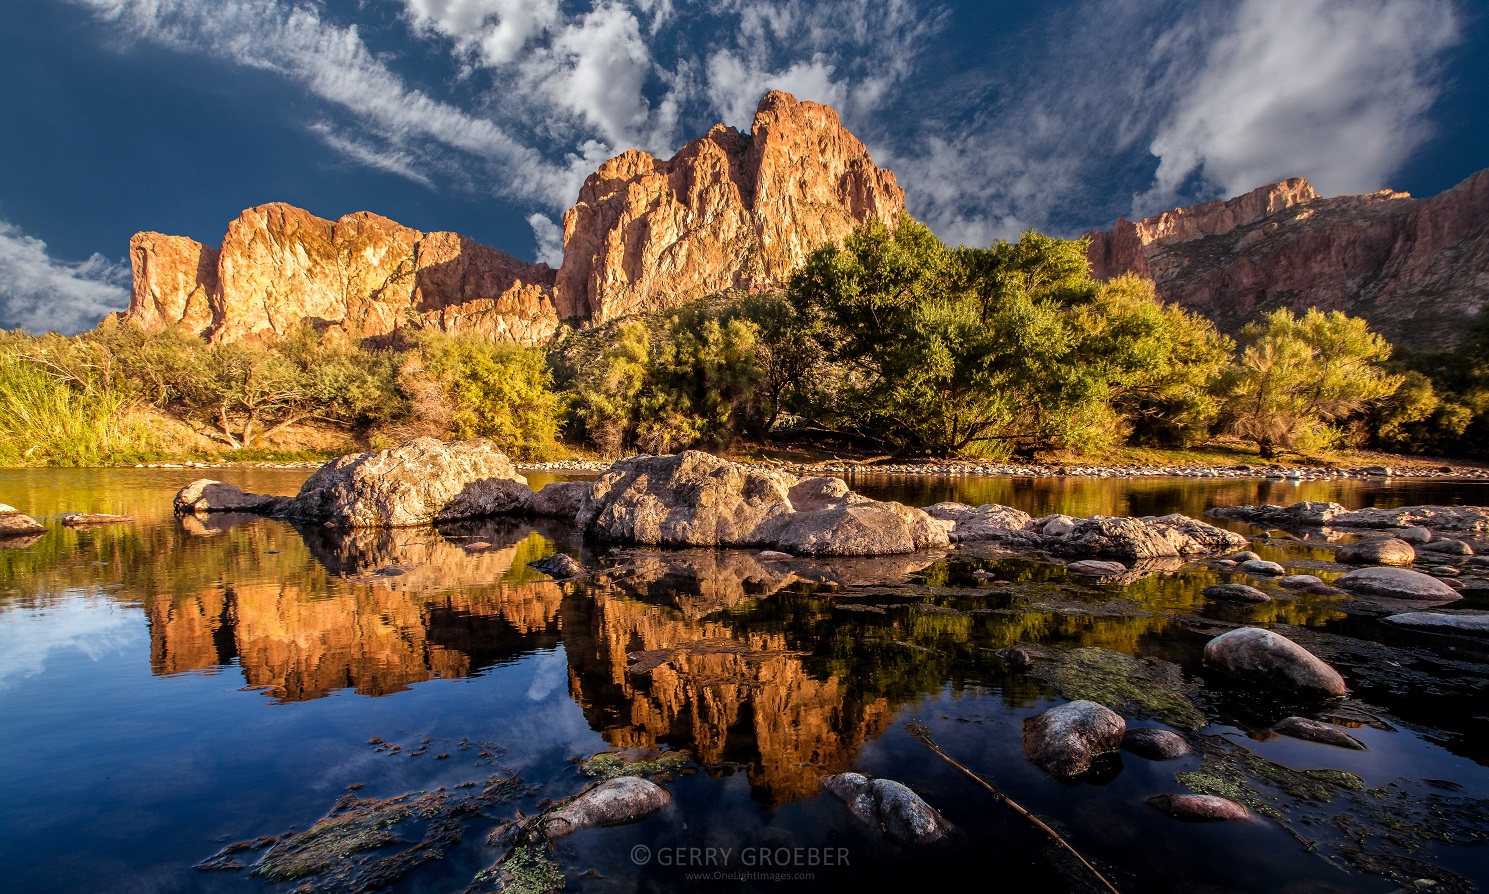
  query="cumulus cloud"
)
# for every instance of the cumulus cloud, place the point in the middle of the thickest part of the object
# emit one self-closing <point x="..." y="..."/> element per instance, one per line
<point x="95" y="627"/>
<point x="1334" y="90"/>
<point x="40" y="294"/>
<point x="550" y="238"/>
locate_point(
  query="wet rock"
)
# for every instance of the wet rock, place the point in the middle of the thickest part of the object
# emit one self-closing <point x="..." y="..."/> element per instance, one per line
<point x="979" y="524"/>
<point x="889" y="807"/>
<point x="1243" y="556"/>
<point x="1058" y="526"/>
<point x="1262" y="566"/>
<point x="1155" y="744"/>
<point x="1414" y="536"/>
<point x="1464" y="623"/>
<point x="1301" y="582"/>
<point x="1477" y="562"/>
<point x="7" y="509"/>
<point x="15" y="525"/>
<point x="1142" y="687"/>
<point x="1271" y="659"/>
<point x="559" y="566"/>
<point x="614" y="802"/>
<point x="694" y="499"/>
<point x="1017" y="659"/>
<point x="423" y="481"/>
<point x="1384" y="551"/>
<point x="205" y="495"/>
<point x="1448" y="547"/>
<point x="1465" y="519"/>
<point x="92" y="519"/>
<point x="1314" y="731"/>
<point x="1395" y="583"/>
<point x="1201" y="808"/>
<point x="1065" y="739"/>
<point x="1096" y="568"/>
<point x="772" y="555"/>
<point x="1236" y="593"/>
<point x="1308" y="513"/>
<point x="558" y="499"/>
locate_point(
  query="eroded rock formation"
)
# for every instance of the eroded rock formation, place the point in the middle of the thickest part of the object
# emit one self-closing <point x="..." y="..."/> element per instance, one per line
<point x="1417" y="269"/>
<point x="730" y="209"/>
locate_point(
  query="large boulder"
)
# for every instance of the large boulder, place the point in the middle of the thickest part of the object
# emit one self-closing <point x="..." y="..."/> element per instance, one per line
<point x="14" y="524"/>
<point x="1380" y="551"/>
<point x="1395" y="583"/>
<point x="1262" y="656"/>
<point x="205" y="495"/>
<point x="981" y="523"/>
<point x="1064" y="740"/>
<point x="614" y="802"/>
<point x="1304" y="514"/>
<point x="1125" y="539"/>
<point x="890" y="808"/>
<point x="1235" y="593"/>
<point x="559" y="499"/>
<point x="425" y="480"/>
<point x="694" y="499"/>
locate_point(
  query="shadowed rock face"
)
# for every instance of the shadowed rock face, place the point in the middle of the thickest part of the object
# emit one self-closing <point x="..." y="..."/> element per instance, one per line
<point x="1415" y="268"/>
<point x="729" y="210"/>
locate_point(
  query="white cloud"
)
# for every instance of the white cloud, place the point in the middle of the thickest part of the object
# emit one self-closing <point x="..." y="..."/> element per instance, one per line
<point x="393" y="161"/>
<point x="550" y="238"/>
<point x="30" y="637"/>
<point x="40" y="294"/>
<point x="1333" y="90"/>
<point x="493" y="31"/>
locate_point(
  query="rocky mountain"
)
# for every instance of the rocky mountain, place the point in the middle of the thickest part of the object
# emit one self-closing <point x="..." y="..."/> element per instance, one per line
<point x="1417" y="269"/>
<point x="729" y="210"/>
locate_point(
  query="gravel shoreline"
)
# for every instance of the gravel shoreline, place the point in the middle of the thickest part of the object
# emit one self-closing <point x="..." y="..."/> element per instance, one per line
<point x="983" y="470"/>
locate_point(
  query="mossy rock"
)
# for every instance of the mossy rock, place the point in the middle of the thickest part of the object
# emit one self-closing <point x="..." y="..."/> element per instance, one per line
<point x="1142" y="687"/>
<point x="614" y="764"/>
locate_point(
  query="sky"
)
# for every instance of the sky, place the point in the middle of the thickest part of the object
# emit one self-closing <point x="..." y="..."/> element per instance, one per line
<point x="484" y="116"/>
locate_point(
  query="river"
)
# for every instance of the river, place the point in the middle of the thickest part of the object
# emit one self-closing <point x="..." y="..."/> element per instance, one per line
<point x="167" y="689"/>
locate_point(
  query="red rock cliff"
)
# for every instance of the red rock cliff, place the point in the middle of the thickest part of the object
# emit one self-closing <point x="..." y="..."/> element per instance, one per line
<point x="1418" y="270"/>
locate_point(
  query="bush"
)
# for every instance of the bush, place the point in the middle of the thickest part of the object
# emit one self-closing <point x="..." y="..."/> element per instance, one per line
<point x="500" y="391"/>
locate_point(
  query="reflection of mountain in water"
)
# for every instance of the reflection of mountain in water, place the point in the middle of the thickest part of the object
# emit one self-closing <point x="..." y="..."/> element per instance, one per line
<point x="412" y="605"/>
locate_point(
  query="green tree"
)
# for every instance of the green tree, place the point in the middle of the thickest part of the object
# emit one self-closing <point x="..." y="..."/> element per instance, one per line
<point x="1297" y="376"/>
<point x="499" y="390"/>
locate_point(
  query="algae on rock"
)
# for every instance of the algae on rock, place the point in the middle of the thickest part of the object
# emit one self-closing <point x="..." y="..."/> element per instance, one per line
<point x="1144" y="687"/>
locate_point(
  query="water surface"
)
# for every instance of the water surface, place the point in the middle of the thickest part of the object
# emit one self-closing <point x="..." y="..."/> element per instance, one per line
<point x="167" y="688"/>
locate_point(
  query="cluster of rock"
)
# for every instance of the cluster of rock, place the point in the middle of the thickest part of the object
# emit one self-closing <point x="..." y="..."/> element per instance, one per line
<point x="729" y="210"/>
<point x="1123" y="539"/>
<point x="1316" y="514"/>
<point x="1414" y="268"/>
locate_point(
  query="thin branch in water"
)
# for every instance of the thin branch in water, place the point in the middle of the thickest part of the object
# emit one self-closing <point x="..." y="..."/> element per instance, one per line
<point x="922" y="734"/>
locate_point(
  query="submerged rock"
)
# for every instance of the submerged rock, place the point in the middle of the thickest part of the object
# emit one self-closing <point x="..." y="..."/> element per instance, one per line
<point x="1262" y="656"/>
<point x="1262" y="566"/>
<point x="1395" y="583"/>
<point x="559" y="499"/>
<point x="1236" y="593"/>
<point x="1314" y="731"/>
<point x="559" y="566"/>
<point x="1064" y="740"/>
<point x="614" y="802"/>
<point x="889" y="807"/>
<point x="92" y="519"/>
<point x="694" y="499"/>
<point x="425" y="480"/>
<point x="205" y="495"/>
<point x="1142" y="687"/>
<point x="1201" y="808"/>
<point x="1096" y="568"/>
<point x="1155" y="744"/>
<point x="1383" y="551"/>
<point x="1465" y="623"/>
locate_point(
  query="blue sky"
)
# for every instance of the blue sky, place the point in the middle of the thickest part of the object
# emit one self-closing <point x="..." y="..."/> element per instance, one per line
<point x="484" y="116"/>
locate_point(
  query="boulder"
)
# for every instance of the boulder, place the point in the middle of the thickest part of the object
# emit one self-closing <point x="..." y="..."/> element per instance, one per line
<point x="1314" y="731"/>
<point x="1057" y="526"/>
<point x="1463" y="623"/>
<point x="614" y="802"/>
<point x="1382" y="551"/>
<point x="1414" y="536"/>
<point x="423" y="481"/>
<point x="1064" y="740"/>
<point x="560" y="566"/>
<point x="14" y="524"/>
<point x="559" y="499"/>
<point x="1446" y="547"/>
<point x="1155" y="744"/>
<point x="1201" y="808"/>
<point x="205" y="495"/>
<point x="1395" y="583"/>
<point x="1262" y="566"/>
<point x="1243" y="556"/>
<point x="1096" y="568"/>
<point x="1301" y="582"/>
<point x="981" y="523"/>
<point x="1461" y="519"/>
<point x="1236" y="593"/>
<point x="890" y="808"/>
<point x="694" y="499"/>
<point x="7" y="509"/>
<point x="1305" y="514"/>
<point x="1271" y="659"/>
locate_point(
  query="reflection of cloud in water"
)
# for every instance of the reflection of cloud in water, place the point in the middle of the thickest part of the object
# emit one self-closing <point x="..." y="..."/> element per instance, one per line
<point x="96" y="627"/>
<point x="551" y="674"/>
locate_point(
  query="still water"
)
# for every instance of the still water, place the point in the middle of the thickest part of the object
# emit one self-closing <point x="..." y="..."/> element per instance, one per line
<point x="167" y="689"/>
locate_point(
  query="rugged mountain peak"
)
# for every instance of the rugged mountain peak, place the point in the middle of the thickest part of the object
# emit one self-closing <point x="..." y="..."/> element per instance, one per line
<point x="280" y="266"/>
<point x="1418" y="270"/>
<point x="729" y="210"/>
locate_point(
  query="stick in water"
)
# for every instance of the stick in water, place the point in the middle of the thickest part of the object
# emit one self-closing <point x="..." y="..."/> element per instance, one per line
<point x="922" y="734"/>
